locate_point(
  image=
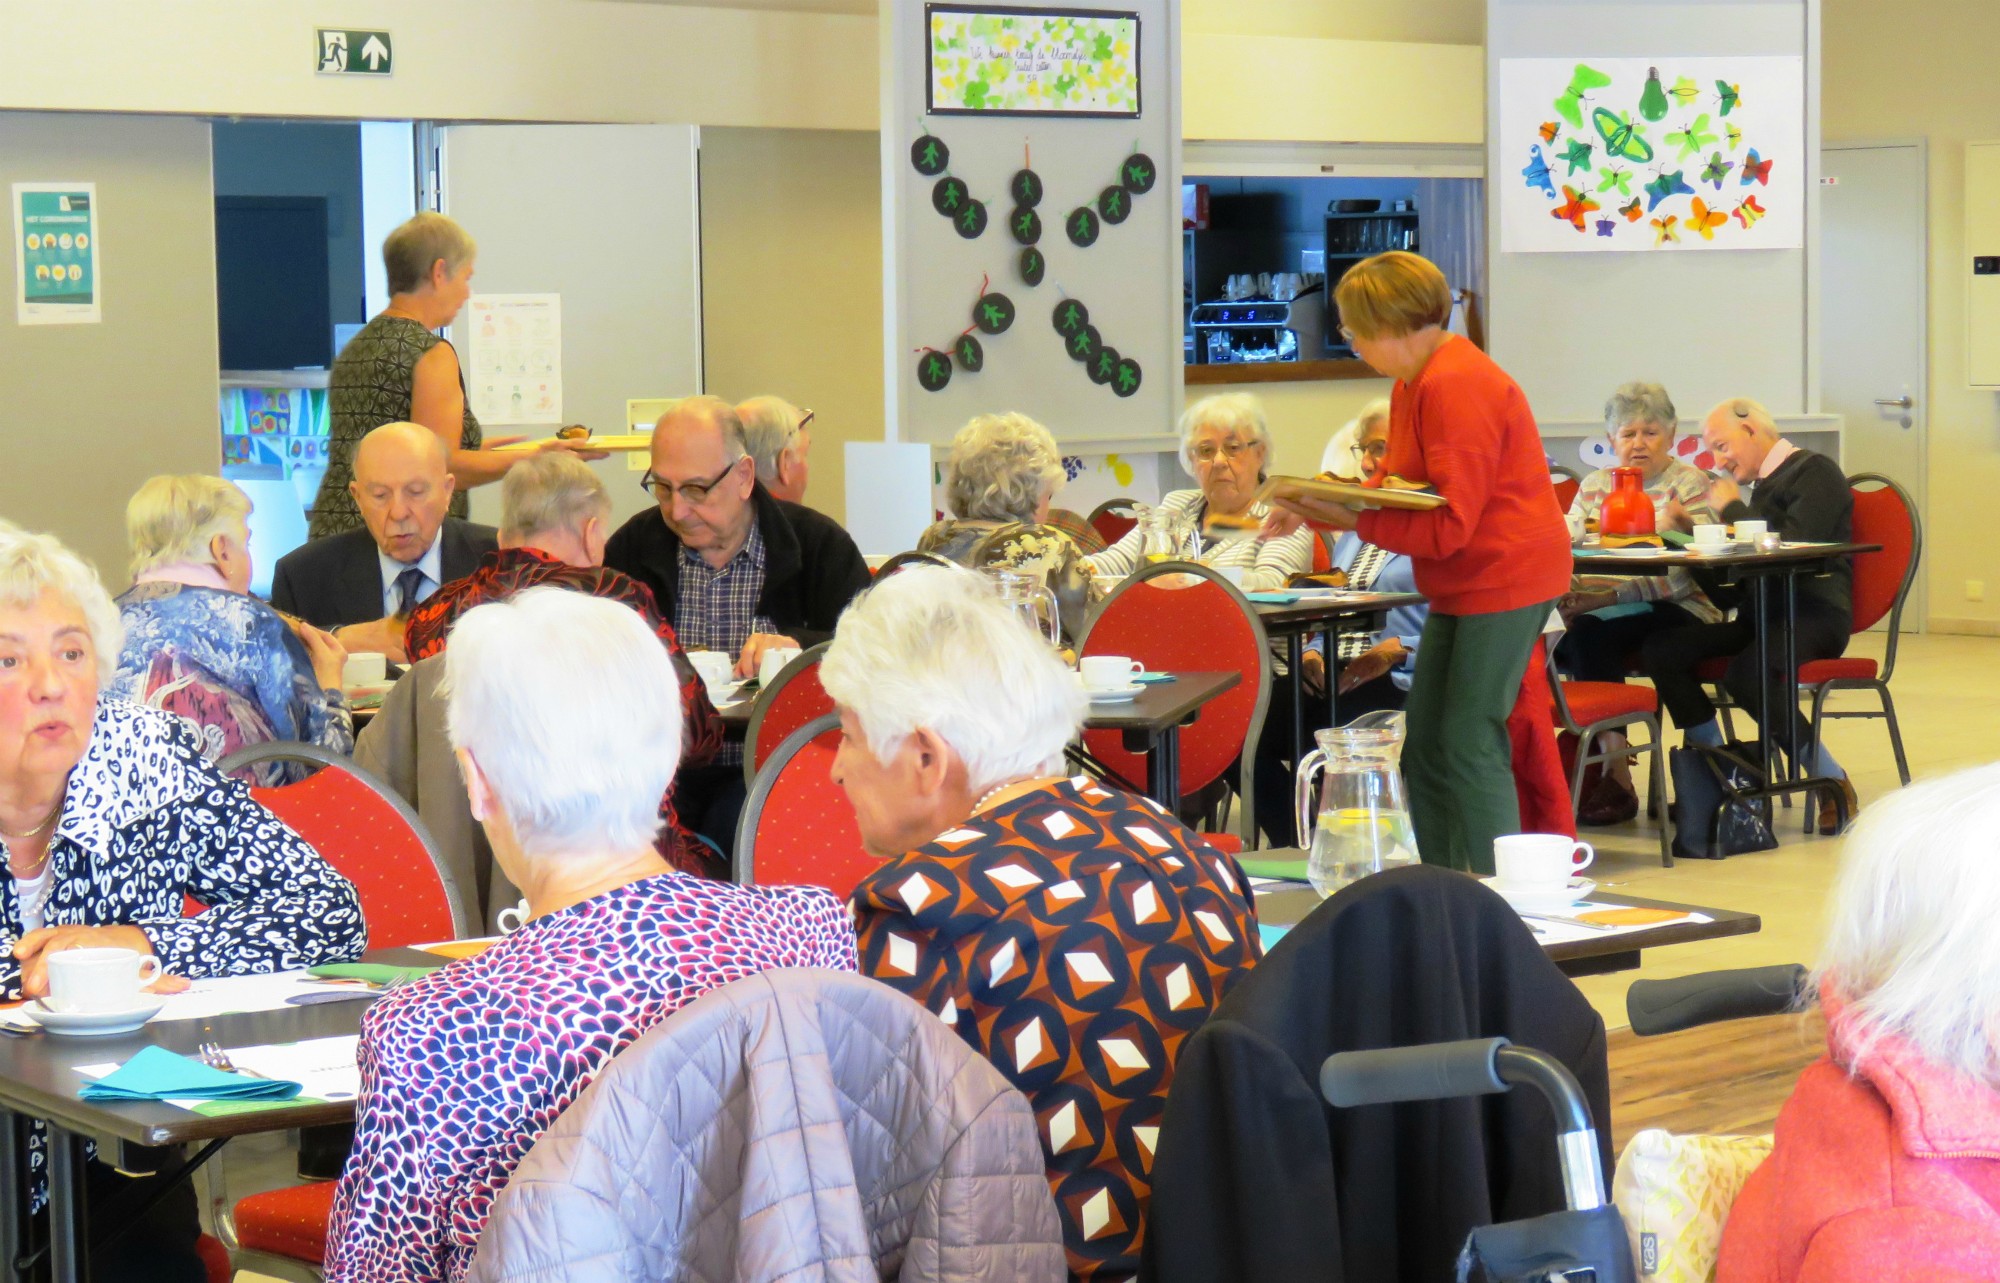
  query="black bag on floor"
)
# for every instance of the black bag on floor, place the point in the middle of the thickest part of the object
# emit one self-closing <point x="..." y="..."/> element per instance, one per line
<point x="1709" y="821"/>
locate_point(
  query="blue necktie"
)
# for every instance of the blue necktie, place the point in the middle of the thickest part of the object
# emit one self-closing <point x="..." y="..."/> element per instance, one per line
<point x="408" y="585"/>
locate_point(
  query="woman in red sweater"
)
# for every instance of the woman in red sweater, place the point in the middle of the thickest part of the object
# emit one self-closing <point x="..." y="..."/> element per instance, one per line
<point x="1492" y="560"/>
<point x="1887" y="1161"/>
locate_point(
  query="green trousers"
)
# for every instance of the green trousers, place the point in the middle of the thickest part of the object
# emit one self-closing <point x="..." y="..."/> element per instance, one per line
<point x="1456" y="756"/>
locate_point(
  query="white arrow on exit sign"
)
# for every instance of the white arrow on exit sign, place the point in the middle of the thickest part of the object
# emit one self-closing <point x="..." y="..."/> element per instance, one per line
<point x="341" y="51"/>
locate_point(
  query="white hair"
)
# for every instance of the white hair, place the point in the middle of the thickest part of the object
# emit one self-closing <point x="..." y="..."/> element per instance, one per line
<point x="173" y="520"/>
<point x="1746" y="412"/>
<point x="572" y="708"/>
<point x="32" y="565"/>
<point x="1001" y="467"/>
<point x="1340" y="451"/>
<point x="550" y="490"/>
<point x="770" y="425"/>
<point x="931" y="647"/>
<point x="1638" y="402"/>
<point x="1235" y="411"/>
<point x="1912" y="948"/>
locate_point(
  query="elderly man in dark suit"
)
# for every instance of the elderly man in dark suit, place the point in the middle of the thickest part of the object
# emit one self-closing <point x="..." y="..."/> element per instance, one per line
<point x="362" y="584"/>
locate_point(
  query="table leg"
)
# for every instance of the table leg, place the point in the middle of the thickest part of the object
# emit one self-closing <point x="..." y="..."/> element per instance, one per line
<point x="1789" y="687"/>
<point x="1163" y="770"/>
<point x="1295" y="653"/>
<point x="14" y="1199"/>
<point x="69" y="1220"/>
<point x="1760" y="602"/>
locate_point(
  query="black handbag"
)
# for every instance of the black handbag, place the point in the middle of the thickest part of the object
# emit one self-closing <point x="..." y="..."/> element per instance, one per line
<point x="1711" y="818"/>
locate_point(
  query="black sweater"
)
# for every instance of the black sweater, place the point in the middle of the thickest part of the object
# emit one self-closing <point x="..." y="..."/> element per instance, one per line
<point x="811" y="567"/>
<point x="1807" y="500"/>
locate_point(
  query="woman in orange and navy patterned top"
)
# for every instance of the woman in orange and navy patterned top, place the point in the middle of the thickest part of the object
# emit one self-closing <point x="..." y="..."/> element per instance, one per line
<point x="1073" y="934"/>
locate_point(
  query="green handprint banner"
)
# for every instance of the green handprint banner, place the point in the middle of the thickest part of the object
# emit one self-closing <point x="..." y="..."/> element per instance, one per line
<point x="1032" y="62"/>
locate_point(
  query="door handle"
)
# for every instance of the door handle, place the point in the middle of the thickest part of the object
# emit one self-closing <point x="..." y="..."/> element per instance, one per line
<point x="1901" y="403"/>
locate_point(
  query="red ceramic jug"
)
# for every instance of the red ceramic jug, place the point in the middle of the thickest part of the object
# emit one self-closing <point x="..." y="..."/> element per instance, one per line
<point x="1628" y="510"/>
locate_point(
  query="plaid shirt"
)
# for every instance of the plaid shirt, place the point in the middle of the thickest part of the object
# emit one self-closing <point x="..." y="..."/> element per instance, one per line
<point x="507" y="571"/>
<point x="717" y="609"/>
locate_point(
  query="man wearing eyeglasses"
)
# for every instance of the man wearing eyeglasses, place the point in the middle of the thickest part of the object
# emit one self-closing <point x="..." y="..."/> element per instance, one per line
<point x="779" y="437"/>
<point x="733" y="567"/>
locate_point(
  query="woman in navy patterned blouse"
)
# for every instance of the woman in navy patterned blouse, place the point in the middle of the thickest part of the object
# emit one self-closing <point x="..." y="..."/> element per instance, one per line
<point x="462" y="1070"/>
<point x="109" y="817"/>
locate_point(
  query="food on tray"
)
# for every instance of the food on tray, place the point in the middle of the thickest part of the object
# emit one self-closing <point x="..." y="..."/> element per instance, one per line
<point x="574" y="432"/>
<point x="1631" y="541"/>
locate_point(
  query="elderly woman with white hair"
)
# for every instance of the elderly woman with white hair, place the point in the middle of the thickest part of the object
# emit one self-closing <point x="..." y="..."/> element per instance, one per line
<point x="1226" y="448"/>
<point x="199" y="645"/>
<point x="1071" y="933"/>
<point x="110" y="817"/>
<point x="1347" y="456"/>
<point x="463" y="1069"/>
<point x="1002" y="473"/>
<point x="1887" y="1156"/>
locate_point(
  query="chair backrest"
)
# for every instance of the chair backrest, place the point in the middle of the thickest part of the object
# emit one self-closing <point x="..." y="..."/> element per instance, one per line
<point x="1205" y="626"/>
<point x="1110" y="525"/>
<point x="1322" y="551"/>
<point x="1884" y="514"/>
<point x="1081" y="532"/>
<point x="793" y="698"/>
<point x="371" y="837"/>
<point x="797" y="826"/>
<point x="903" y="559"/>
<point x="1565" y="488"/>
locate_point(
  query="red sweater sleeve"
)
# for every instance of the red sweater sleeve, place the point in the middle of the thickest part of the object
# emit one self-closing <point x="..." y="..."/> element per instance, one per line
<point x="1457" y="432"/>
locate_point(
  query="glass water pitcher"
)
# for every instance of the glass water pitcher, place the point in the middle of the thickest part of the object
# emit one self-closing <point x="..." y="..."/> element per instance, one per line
<point x="1359" y="820"/>
<point x="1029" y="597"/>
<point x="1168" y="536"/>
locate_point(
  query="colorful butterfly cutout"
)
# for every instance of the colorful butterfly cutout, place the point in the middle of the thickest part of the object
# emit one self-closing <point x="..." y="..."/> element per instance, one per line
<point x="1666" y="185"/>
<point x="1632" y="212"/>
<point x="1577" y="156"/>
<point x="1606" y="226"/>
<point x="1693" y="139"/>
<point x="1717" y="170"/>
<point x="1705" y="220"/>
<point x="1684" y="92"/>
<point x="1584" y="79"/>
<point x="1550" y="128"/>
<point x="1618" y="178"/>
<point x="1576" y="206"/>
<point x="1537" y="173"/>
<point x="1749" y="211"/>
<point x="1756" y="170"/>
<point x="1663" y="230"/>
<point x="1735" y="136"/>
<point x="1730" y="95"/>
<point x="1622" y="139"/>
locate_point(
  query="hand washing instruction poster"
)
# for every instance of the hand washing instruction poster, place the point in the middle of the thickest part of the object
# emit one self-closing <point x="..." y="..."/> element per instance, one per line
<point x="515" y="373"/>
<point x="55" y="254"/>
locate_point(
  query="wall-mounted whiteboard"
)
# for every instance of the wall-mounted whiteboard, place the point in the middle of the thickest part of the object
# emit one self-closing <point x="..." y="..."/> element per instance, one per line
<point x="1674" y="154"/>
<point x="1127" y="279"/>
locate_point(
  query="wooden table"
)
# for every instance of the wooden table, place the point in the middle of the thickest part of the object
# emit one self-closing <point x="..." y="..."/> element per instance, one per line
<point x="1310" y="614"/>
<point x="1150" y="722"/>
<point x="1287" y="904"/>
<point x="1764" y="572"/>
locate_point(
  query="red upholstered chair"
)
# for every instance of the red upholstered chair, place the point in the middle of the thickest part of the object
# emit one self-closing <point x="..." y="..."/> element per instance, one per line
<point x="1884" y="514"/>
<point x="1205" y="626"/>
<point x="1566" y="484"/>
<point x="903" y="559"/>
<point x="283" y="1232"/>
<point x="1111" y="525"/>
<point x="793" y="698"/>
<point x="797" y="825"/>
<point x="1322" y="551"/>
<point x="1587" y="709"/>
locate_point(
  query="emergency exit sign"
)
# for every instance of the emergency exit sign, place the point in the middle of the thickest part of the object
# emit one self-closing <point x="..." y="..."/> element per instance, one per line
<point x="354" y="53"/>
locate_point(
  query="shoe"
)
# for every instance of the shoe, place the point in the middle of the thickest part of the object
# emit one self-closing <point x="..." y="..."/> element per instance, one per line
<point x="1829" y="814"/>
<point x="1608" y="803"/>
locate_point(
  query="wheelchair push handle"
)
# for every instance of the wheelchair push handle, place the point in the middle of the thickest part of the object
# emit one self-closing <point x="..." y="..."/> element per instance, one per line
<point x="1664" y="1006"/>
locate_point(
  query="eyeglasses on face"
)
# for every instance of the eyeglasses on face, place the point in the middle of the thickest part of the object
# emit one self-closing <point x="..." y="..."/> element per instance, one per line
<point x="692" y="493"/>
<point x="1371" y="449"/>
<point x="1209" y="451"/>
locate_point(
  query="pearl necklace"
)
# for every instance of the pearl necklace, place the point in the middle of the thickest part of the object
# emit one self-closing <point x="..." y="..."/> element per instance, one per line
<point x="993" y="792"/>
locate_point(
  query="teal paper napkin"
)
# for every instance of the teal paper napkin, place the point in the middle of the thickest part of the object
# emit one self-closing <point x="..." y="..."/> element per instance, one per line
<point x="1271" y="934"/>
<point x="375" y="973"/>
<point x="1273" y="598"/>
<point x="1150" y="678"/>
<point x="158" y="1074"/>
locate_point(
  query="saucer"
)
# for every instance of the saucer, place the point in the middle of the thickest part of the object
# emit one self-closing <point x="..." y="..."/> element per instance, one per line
<point x="94" y="1024"/>
<point x="1541" y="899"/>
<point x="1116" y="695"/>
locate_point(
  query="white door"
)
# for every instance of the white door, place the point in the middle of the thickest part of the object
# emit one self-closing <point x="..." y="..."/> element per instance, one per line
<point x="1873" y="313"/>
<point x="608" y="217"/>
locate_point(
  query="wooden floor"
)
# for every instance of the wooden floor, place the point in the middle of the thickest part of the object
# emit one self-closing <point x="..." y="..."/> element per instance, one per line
<point x="1727" y="1078"/>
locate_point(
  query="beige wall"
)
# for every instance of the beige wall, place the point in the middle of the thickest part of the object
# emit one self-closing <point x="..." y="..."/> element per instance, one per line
<point x="1924" y="69"/>
<point x="791" y="282"/>
<point x="87" y="412"/>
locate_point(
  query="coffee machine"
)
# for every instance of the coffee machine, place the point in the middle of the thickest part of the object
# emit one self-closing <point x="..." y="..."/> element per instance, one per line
<point x="1259" y="330"/>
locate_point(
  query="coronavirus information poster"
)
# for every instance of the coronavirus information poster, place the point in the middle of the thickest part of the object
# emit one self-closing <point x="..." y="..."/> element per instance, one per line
<point x="56" y="254"/>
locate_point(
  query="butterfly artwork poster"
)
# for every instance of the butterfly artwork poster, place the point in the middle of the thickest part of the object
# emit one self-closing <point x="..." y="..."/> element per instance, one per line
<point x="1661" y="155"/>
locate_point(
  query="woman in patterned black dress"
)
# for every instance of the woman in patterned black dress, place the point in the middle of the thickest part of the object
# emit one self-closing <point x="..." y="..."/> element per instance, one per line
<point x="397" y="370"/>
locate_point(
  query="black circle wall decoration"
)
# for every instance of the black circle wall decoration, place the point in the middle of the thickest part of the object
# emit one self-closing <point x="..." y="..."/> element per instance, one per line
<point x="1026" y="225"/>
<point x="971" y="220"/>
<point x="949" y="196"/>
<point x="1082" y="226"/>
<point x="1139" y="173"/>
<point x="1069" y="317"/>
<point x="933" y="370"/>
<point x="1114" y="204"/>
<point x="1026" y="188"/>
<point x="1125" y="379"/>
<point x="971" y="356"/>
<point x="1032" y="266"/>
<point x="930" y="155"/>
<point x="1085" y="344"/>
<point x="993" y="313"/>
<point x="1103" y="365"/>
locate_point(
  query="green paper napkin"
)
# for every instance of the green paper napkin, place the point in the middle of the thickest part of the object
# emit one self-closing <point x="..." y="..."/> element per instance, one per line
<point x="1292" y="869"/>
<point x="1676" y="539"/>
<point x="378" y="973"/>
<point x="158" y="1074"/>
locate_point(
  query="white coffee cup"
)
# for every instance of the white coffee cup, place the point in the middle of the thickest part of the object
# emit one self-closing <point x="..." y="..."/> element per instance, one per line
<point x="1108" y="672"/>
<point x="1751" y="531"/>
<point x="715" y="666"/>
<point x="1711" y="535"/>
<point x="84" y="980"/>
<point x="774" y="662"/>
<point x="1539" y="860"/>
<point x="365" y="668"/>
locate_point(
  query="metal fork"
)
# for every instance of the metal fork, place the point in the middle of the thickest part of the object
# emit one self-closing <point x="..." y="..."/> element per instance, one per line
<point x="212" y="1055"/>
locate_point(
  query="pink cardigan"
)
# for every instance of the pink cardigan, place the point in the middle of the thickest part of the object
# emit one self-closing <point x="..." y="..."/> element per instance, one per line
<point x="1892" y="1173"/>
